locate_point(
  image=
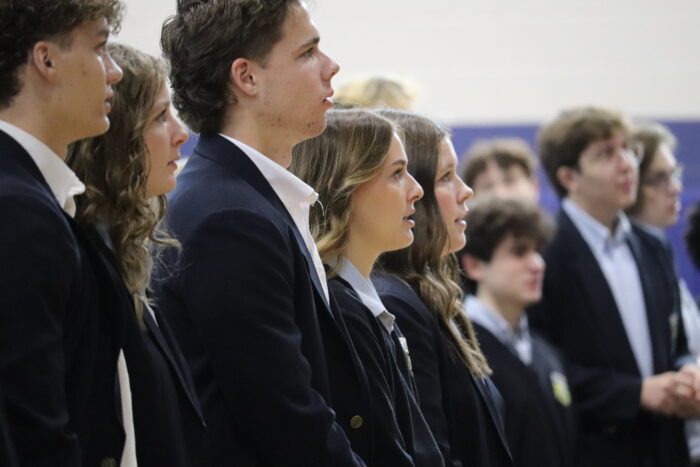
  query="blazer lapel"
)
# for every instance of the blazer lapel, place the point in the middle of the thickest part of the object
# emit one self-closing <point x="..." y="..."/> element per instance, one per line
<point x="222" y="151"/>
<point x="486" y="391"/>
<point x="163" y="343"/>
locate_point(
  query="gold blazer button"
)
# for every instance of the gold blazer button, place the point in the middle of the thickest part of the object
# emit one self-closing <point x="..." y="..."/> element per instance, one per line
<point x="356" y="422"/>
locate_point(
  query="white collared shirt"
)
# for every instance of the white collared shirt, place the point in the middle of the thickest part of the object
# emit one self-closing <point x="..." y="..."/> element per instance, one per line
<point x="620" y="270"/>
<point x="517" y="339"/>
<point x="61" y="180"/>
<point x="64" y="185"/>
<point x="367" y="293"/>
<point x="297" y="197"/>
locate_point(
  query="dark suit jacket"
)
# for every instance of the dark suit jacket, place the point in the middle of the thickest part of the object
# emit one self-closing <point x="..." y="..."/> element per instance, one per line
<point x="539" y="427"/>
<point x="400" y="434"/>
<point x="61" y="326"/>
<point x="248" y="310"/>
<point x="168" y="422"/>
<point x="464" y="413"/>
<point x="579" y="315"/>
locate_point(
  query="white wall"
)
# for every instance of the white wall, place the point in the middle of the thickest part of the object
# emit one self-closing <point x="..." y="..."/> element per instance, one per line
<point x="500" y="61"/>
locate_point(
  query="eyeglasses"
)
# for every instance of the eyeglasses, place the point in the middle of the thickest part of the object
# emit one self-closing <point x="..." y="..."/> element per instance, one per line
<point x="609" y="154"/>
<point x="663" y="180"/>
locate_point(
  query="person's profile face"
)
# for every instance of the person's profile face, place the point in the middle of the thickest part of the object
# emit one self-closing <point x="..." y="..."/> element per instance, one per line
<point x="85" y="73"/>
<point x="382" y="208"/>
<point x="661" y="188"/>
<point x="451" y="194"/>
<point x="163" y="136"/>
<point x="294" y="83"/>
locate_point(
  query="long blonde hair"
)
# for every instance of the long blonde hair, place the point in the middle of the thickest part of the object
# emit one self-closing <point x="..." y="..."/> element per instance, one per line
<point x="114" y="168"/>
<point x="423" y="265"/>
<point x="349" y="153"/>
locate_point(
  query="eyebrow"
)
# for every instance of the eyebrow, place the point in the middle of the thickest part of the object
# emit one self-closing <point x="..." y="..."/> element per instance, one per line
<point x="400" y="162"/>
<point x="313" y="41"/>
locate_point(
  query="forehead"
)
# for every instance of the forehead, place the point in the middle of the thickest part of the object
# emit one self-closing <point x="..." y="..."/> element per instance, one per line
<point x="91" y="30"/>
<point x="663" y="158"/>
<point x="298" y="29"/>
<point x="447" y="155"/>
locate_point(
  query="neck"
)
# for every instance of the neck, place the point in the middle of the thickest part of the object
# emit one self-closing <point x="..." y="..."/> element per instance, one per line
<point x="510" y="311"/>
<point x="32" y="119"/>
<point x="606" y="215"/>
<point x="361" y="258"/>
<point x="267" y="139"/>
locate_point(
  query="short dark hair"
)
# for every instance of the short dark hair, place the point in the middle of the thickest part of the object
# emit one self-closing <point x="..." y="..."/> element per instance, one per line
<point x="562" y="140"/>
<point x="492" y="219"/>
<point x="23" y="23"/>
<point x="692" y="235"/>
<point x="651" y="136"/>
<point x="504" y="152"/>
<point x="202" y="41"/>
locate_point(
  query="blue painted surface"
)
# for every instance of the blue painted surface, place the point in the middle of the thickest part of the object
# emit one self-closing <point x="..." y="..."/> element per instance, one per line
<point x="687" y="133"/>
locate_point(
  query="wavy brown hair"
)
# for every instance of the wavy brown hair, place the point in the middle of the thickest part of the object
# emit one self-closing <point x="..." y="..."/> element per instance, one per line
<point x="423" y="265"/>
<point x="349" y="153"/>
<point x="114" y="168"/>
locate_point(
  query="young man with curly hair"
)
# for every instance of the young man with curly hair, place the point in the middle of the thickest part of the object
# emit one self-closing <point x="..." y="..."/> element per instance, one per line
<point x="59" y="311"/>
<point x="248" y="299"/>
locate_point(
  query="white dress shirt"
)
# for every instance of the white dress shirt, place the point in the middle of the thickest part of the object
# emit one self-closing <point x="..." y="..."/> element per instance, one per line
<point x="64" y="185"/>
<point x="615" y="259"/>
<point x="63" y="182"/>
<point x="297" y="197"/>
<point x="517" y="339"/>
<point x="367" y="293"/>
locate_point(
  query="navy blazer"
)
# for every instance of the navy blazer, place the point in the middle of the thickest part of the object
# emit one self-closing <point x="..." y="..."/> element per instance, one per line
<point x="247" y="307"/>
<point x="61" y="327"/>
<point x="169" y="426"/>
<point x="539" y="420"/>
<point x="579" y="315"/>
<point x="464" y="413"/>
<point x="400" y="434"/>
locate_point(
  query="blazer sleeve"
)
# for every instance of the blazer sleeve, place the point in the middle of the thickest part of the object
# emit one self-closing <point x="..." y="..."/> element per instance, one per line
<point x="40" y="262"/>
<point x="423" y="339"/>
<point x="240" y="288"/>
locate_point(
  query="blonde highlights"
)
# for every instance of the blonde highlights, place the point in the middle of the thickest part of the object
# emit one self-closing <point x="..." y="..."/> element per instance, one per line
<point x="349" y="153"/>
<point x="423" y="265"/>
<point x="114" y="168"/>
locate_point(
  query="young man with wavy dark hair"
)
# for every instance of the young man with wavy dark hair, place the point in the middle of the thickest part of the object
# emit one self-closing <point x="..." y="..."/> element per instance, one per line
<point x="60" y="314"/>
<point x="248" y="299"/>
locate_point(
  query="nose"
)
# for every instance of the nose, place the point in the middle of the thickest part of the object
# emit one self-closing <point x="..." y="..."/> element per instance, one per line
<point x="180" y="135"/>
<point x="676" y="186"/>
<point x="465" y="192"/>
<point x="113" y="71"/>
<point x="536" y="261"/>
<point x="332" y="68"/>
<point x="416" y="191"/>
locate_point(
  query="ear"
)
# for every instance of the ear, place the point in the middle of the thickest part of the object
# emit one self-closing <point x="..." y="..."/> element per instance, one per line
<point x="243" y="77"/>
<point x="567" y="177"/>
<point x="473" y="267"/>
<point x="43" y="58"/>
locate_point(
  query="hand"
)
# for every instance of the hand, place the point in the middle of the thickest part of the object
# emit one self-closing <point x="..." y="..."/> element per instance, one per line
<point x="693" y="373"/>
<point x="658" y="393"/>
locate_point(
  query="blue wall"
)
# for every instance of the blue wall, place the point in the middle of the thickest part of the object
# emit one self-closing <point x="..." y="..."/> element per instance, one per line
<point x="688" y="134"/>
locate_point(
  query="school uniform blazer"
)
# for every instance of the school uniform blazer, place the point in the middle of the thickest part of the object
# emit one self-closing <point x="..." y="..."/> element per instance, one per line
<point x="464" y="413"/>
<point x="539" y="423"/>
<point x="61" y="327"/>
<point x="168" y="422"/>
<point x="247" y="307"/>
<point x="400" y="434"/>
<point x="579" y="315"/>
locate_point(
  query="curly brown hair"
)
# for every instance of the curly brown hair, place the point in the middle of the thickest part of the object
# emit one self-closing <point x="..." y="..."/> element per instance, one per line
<point x="504" y="152"/>
<point x="423" y="265"/>
<point x="349" y="153"/>
<point x="23" y="23"/>
<point x="115" y="166"/>
<point x="202" y="41"/>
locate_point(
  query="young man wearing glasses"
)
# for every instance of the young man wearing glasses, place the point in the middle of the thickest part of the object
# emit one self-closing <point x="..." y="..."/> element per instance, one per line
<point x="607" y="303"/>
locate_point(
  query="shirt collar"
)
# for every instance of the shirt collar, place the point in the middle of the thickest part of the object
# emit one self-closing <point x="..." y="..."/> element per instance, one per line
<point x="62" y="181"/>
<point x="593" y="231"/>
<point x="290" y="188"/>
<point x="517" y="339"/>
<point x="367" y="293"/>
